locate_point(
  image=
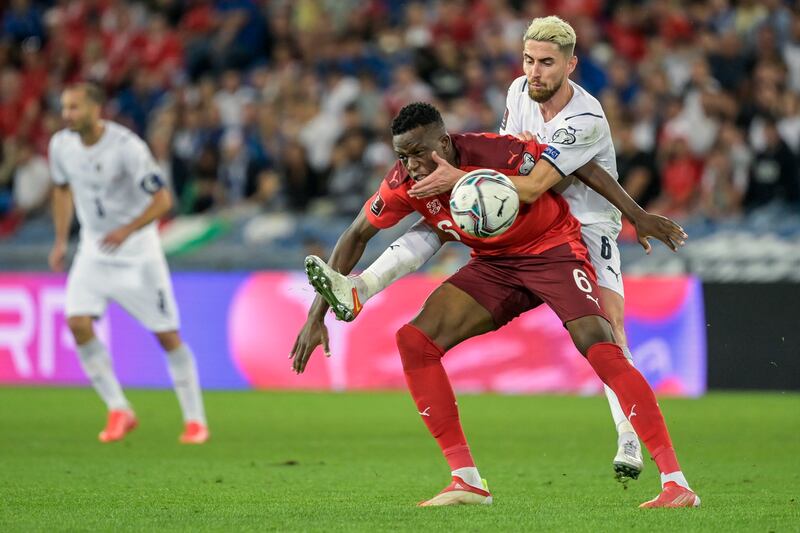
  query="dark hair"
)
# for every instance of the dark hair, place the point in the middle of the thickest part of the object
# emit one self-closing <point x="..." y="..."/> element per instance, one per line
<point x="92" y="91"/>
<point x="415" y="115"/>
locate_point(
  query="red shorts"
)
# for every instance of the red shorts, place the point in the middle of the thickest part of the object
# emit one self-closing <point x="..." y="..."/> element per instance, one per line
<point x="507" y="286"/>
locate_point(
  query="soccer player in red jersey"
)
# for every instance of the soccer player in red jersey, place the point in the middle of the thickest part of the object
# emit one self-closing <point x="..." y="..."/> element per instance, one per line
<point x="539" y="259"/>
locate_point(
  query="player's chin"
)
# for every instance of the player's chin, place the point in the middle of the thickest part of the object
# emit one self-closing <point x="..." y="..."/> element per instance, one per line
<point x="540" y="94"/>
<point x="419" y="177"/>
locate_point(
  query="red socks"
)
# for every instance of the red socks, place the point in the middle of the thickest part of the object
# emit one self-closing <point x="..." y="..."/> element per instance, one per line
<point x="430" y="388"/>
<point x="637" y="400"/>
<point x="433" y="395"/>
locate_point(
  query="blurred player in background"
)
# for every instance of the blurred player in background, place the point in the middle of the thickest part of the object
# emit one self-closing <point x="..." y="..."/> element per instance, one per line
<point x="544" y="104"/>
<point x="539" y="259"/>
<point x="118" y="194"/>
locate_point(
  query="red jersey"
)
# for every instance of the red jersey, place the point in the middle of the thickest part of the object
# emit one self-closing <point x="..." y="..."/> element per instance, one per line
<point x="544" y="224"/>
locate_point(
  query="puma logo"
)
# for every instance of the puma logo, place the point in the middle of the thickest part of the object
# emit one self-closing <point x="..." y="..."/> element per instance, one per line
<point x="393" y="246"/>
<point x="513" y="156"/>
<point x="502" y="204"/>
<point x="612" y="271"/>
<point x="595" y="300"/>
<point x="632" y="412"/>
<point x="425" y="412"/>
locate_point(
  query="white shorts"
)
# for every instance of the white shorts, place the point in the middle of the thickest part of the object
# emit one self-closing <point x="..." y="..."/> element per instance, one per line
<point x="142" y="286"/>
<point x="601" y="240"/>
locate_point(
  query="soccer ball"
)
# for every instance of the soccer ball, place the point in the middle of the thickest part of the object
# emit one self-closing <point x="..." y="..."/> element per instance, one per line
<point x="484" y="203"/>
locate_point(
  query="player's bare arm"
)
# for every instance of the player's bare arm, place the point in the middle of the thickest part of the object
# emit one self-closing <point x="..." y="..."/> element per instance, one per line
<point x="62" y="218"/>
<point x="158" y="207"/>
<point x="348" y="250"/>
<point x="647" y="224"/>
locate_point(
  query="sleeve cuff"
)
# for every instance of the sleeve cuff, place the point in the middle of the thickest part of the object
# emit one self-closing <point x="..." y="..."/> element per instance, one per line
<point x="544" y="157"/>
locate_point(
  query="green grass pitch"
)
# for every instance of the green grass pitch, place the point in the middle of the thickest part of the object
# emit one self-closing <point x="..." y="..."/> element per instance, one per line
<point x="360" y="462"/>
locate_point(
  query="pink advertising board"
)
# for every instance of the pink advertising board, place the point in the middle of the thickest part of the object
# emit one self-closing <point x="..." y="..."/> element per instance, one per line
<point x="242" y="327"/>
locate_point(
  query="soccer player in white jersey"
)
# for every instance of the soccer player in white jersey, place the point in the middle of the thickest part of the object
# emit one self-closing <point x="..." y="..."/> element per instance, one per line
<point x="543" y="103"/>
<point x="118" y="194"/>
<point x="546" y="104"/>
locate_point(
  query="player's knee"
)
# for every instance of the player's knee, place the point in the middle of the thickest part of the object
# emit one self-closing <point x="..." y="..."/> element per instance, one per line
<point x="169" y="340"/>
<point x="81" y="328"/>
<point x="620" y="337"/>
<point x="588" y="331"/>
<point x="416" y="349"/>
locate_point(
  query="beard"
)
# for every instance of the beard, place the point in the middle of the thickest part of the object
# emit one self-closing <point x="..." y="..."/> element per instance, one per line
<point x="543" y="94"/>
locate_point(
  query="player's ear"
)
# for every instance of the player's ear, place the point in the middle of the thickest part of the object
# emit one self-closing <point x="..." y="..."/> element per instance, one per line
<point x="571" y="64"/>
<point x="446" y="145"/>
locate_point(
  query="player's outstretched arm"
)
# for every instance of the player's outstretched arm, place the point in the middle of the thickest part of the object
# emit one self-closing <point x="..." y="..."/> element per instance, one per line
<point x="159" y="206"/>
<point x="348" y="250"/>
<point x="647" y="224"/>
<point x="539" y="181"/>
<point x="62" y="218"/>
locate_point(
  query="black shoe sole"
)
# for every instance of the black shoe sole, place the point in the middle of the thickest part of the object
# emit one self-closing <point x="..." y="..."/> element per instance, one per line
<point x="625" y="472"/>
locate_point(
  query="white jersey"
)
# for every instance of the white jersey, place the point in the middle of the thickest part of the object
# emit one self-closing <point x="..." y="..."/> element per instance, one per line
<point x="112" y="183"/>
<point x="579" y="133"/>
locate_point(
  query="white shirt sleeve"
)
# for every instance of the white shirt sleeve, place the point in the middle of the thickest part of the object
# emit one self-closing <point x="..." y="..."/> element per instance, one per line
<point x="577" y="141"/>
<point x="56" y="170"/>
<point x="140" y="165"/>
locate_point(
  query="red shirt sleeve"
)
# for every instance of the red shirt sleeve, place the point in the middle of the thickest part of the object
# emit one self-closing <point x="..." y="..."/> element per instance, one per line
<point x="388" y="205"/>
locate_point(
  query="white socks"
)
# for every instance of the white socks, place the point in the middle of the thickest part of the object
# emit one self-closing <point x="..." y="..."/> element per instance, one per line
<point x="183" y="371"/>
<point x="405" y="255"/>
<point x="470" y="476"/>
<point x="675" y="477"/>
<point x="97" y="365"/>
<point x="620" y="420"/>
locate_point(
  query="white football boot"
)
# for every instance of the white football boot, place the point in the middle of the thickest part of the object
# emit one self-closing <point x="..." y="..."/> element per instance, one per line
<point x="628" y="462"/>
<point x="336" y="289"/>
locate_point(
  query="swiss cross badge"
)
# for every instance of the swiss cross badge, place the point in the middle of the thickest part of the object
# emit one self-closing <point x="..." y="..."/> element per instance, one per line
<point x="434" y="206"/>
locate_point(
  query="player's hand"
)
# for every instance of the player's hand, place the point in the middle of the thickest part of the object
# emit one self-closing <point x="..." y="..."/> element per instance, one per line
<point x="661" y="228"/>
<point x="113" y="240"/>
<point x="56" y="257"/>
<point x="312" y="335"/>
<point x="525" y="136"/>
<point x="437" y="182"/>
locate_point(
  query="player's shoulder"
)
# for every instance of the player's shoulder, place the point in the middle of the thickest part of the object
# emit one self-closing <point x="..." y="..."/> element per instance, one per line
<point x="582" y="121"/>
<point x="518" y="93"/>
<point x="497" y="151"/>
<point x="61" y="138"/>
<point x="518" y="86"/>
<point x="583" y="107"/>
<point x="119" y="134"/>
<point x="470" y="144"/>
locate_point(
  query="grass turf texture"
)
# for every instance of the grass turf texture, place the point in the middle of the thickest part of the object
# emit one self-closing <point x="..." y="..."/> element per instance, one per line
<point x="330" y="462"/>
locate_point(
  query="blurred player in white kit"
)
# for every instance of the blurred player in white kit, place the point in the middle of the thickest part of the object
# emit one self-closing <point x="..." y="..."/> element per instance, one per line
<point x="118" y="193"/>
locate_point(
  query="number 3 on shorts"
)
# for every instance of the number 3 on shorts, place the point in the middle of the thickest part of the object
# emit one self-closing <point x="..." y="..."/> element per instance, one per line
<point x="582" y="280"/>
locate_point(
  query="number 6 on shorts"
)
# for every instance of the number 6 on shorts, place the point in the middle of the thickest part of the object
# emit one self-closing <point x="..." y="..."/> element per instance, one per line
<point x="582" y="280"/>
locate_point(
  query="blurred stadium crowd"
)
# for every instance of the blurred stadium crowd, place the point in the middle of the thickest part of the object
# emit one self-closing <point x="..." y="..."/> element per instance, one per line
<point x="273" y="115"/>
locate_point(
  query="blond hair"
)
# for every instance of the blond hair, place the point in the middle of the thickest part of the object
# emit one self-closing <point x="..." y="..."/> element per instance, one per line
<point x="553" y="30"/>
